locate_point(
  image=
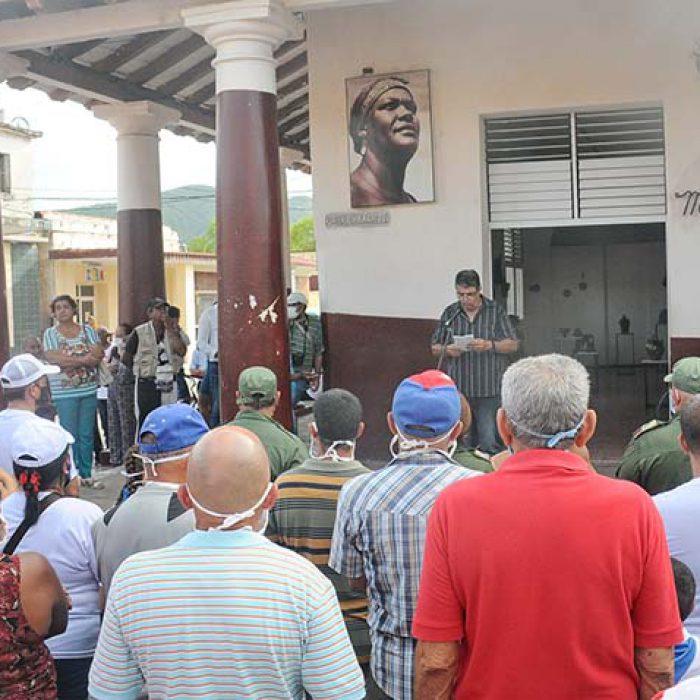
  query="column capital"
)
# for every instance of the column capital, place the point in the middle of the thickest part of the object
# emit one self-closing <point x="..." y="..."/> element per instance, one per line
<point x="12" y="66"/>
<point x="245" y="34"/>
<point x="143" y="118"/>
<point x="289" y="156"/>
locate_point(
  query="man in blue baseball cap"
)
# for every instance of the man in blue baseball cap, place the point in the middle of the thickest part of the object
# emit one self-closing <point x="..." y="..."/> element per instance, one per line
<point x="153" y="517"/>
<point x="382" y="520"/>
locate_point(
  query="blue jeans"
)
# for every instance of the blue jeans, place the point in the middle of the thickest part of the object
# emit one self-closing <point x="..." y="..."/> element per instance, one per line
<point x="299" y="387"/>
<point x="77" y="416"/>
<point x="483" y="432"/>
<point x="211" y="386"/>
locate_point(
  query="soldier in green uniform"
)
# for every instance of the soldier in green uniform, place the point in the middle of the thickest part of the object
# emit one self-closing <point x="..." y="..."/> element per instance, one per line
<point x="468" y="457"/>
<point x="257" y="397"/>
<point x="654" y="458"/>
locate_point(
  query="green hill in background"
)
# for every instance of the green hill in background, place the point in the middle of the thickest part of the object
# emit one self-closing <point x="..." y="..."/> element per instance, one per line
<point x="190" y="210"/>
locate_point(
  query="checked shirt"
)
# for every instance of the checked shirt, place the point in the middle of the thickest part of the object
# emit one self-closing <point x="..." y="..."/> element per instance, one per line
<point x="380" y="534"/>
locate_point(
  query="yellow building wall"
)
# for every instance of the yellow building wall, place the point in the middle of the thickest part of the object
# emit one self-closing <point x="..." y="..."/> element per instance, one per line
<point x="179" y="285"/>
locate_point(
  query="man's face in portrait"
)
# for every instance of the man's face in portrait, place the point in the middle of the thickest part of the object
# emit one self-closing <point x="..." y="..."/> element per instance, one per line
<point x="469" y="298"/>
<point x="393" y="123"/>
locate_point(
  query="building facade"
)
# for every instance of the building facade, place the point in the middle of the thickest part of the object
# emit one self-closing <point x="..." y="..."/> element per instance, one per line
<point x="514" y="88"/>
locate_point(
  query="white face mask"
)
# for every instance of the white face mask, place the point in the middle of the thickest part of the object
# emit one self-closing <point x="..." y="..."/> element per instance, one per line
<point x="331" y="453"/>
<point x="231" y="519"/>
<point x="408" y="445"/>
<point x="292" y="312"/>
<point x="148" y="462"/>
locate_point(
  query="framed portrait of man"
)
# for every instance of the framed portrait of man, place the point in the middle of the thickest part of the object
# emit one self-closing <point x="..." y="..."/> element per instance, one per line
<point x="390" y="139"/>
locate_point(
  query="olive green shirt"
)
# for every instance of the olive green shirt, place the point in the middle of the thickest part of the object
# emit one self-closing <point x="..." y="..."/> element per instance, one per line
<point x="654" y="458"/>
<point x="284" y="449"/>
<point x="473" y="459"/>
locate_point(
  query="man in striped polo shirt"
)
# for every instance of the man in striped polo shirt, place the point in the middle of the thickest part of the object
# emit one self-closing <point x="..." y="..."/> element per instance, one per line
<point x="224" y="612"/>
<point x="304" y="515"/>
<point x="472" y="340"/>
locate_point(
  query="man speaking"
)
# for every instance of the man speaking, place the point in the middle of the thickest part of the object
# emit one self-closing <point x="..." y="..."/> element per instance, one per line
<point x="473" y="338"/>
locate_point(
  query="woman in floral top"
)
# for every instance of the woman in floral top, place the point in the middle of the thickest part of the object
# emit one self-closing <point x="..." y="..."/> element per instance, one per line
<point x="75" y="349"/>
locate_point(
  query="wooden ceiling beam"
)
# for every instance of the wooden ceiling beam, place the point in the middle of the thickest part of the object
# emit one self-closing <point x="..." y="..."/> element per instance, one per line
<point x="293" y="106"/>
<point x="86" y="81"/>
<point x="127" y="18"/>
<point x="290" y="124"/>
<point x="72" y="51"/>
<point x="294" y="65"/>
<point x="188" y="77"/>
<point x="202" y="95"/>
<point x="166" y="60"/>
<point x="290" y="88"/>
<point x="130" y="50"/>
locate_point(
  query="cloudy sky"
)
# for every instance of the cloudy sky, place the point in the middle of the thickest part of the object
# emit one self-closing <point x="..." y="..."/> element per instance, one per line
<point x="75" y="161"/>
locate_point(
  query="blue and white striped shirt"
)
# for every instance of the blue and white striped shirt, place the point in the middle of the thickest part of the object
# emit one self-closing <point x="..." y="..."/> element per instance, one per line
<point x="223" y="615"/>
<point x="380" y="534"/>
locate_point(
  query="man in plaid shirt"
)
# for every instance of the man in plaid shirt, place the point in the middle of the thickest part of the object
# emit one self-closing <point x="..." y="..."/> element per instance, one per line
<point x="382" y="518"/>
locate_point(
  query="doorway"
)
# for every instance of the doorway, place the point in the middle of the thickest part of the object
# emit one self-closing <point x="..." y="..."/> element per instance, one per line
<point x="597" y="293"/>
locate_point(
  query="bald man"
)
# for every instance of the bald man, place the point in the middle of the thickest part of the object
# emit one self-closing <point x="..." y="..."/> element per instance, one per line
<point x="224" y="610"/>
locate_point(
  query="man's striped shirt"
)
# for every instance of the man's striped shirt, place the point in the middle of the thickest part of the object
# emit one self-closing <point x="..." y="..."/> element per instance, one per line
<point x="380" y="534"/>
<point x="223" y="615"/>
<point x="303" y="519"/>
<point x="476" y="374"/>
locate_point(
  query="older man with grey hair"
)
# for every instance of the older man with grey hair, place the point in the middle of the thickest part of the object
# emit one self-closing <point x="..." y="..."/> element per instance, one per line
<point x="564" y="573"/>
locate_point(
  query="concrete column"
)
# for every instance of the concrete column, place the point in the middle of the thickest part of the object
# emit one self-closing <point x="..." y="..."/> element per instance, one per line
<point x="139" y="222"/>
<point x="287" y="158"/>
<point x="10" y="67"/>
<point x="252" y="299"/>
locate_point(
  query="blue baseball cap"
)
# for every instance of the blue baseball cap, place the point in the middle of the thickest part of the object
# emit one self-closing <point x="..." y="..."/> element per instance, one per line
<point x="426" y="405"/>
<point x="174" y="427"/>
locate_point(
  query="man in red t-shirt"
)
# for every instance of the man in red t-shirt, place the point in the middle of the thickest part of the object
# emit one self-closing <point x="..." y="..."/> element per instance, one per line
<point x="545" y="579"/>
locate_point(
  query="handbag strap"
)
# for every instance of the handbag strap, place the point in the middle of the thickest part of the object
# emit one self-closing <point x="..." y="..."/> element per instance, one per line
<point x="21" y="531"/>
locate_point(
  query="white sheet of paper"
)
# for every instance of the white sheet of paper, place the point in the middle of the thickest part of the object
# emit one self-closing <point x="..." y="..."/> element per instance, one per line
<point x="463" y="341"/>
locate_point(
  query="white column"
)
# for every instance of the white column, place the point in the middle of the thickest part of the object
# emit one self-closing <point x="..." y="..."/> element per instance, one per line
<point x="245" y="34"/>
<point x="138" y="161"/>
<point x="287" y="157"/>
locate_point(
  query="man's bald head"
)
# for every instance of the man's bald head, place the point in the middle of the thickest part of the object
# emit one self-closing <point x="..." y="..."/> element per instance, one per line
<point x="228" y="472"/>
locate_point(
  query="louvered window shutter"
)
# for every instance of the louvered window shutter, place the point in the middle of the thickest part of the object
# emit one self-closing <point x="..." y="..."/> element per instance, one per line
<point x="573" y="166"/>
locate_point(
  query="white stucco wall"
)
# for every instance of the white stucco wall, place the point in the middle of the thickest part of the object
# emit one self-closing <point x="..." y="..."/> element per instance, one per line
<point x="18" y="146"/>
<point x="488" y="57"/>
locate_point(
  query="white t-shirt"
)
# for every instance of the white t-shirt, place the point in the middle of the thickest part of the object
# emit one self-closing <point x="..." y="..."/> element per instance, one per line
<point x="63" y="535"/>
<point x="10" y="420"/>
<point x="680" y="510"/>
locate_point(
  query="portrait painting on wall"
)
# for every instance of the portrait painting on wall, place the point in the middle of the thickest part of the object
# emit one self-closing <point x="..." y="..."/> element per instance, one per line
<point x="390" y="139"/>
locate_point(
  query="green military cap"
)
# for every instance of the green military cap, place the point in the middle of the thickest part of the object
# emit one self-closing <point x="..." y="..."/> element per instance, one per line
<point x="685" y="375"/>
<point x="256" y="383"/>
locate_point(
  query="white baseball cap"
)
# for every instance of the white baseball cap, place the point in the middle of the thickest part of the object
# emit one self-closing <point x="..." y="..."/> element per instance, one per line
<point x="297" y="298"/>
<point x="23" y="370"/>
<point x="39" y="443"/>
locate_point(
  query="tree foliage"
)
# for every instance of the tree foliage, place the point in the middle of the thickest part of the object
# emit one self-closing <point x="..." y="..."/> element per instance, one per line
<point x="303" y="238"/>
<point x="206" y="243"/>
